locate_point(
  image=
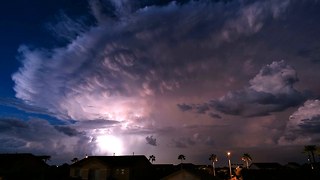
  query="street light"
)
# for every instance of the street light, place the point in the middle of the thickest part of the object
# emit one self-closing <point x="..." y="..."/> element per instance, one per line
<point x="229" y="161"/>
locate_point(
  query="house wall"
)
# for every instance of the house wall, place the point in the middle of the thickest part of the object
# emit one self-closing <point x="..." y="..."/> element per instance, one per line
<point x="97" y="171"/>
<point x="123" y="169"/>
<point x="121" y="173"/>
<point x="91" y="171"/>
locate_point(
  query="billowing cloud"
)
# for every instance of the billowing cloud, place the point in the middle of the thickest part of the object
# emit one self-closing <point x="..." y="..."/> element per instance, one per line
<point x="308" y="112"/>
<point x="216" y="116"/>
<point x="276" y="78"/>
<point x="271" y="90"/>
<point x="111" y="68"/>
<point x="68" y="130"/>
<point x="184" y="107"/>
<point x="303" y="126"/>
<point x="152" y="141"/>
<point x="119" y="73"/>
<point x="39" y="137"/>
<point x="94" y="124"/>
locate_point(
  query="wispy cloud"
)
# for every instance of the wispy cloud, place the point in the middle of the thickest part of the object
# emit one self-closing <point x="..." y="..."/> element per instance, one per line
<point x="23" y="106"/>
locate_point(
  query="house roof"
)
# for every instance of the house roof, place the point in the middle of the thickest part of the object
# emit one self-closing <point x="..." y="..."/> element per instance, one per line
<point x="190" y="174"/>
<point x="187" y="165"/>
<point x="293" y="165"/>
<point x="20" y="160"/>
<point x="163" y="165"/>
<point x="271" y="165"/>
<point x="116" y="160"/>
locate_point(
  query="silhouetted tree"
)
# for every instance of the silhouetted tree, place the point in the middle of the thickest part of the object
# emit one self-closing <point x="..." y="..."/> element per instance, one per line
<point x="318" y="152"/>
<point x="213" y="158"/>
<point x="74" y="160"/>
<point x="181" y="157"/>
<point x="45" y="158"/>
<point x="246" y="158"/>
<point x="152" y="158"/>
<point x="310" y="150"/>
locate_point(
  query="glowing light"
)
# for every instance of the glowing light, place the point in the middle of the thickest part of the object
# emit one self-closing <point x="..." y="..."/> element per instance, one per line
<point x="109" y="144"/>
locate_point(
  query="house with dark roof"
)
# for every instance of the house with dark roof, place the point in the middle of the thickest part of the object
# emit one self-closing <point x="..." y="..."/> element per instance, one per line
<point x="112" y="167"/>
<point x="163" y="170"/>
<point x="22" y="166"/>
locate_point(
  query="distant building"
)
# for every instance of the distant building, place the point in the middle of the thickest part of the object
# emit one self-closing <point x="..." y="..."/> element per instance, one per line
<point x="112" y="167"/>
<point x="22" y="166"/>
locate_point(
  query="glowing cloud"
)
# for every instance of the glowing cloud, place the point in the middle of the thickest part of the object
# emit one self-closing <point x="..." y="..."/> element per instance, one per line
<point x="108" y="144"/>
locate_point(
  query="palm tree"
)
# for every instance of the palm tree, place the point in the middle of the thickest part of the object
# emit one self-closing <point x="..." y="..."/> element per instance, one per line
<point x="181" y="157"/>
<point x="74" y="160"/>
<point x="246" y="158"/>
<point x="45" y="158"/>
<point x="152" y="158"/>
<point x="310" y="150"/>
<point x="213" y="158"/>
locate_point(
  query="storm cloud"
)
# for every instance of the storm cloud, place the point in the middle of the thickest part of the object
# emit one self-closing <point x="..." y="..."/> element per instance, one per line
<point x="194" y="74"/>
<point x="152" y="141"/>
<point x="271" y="90"/>
<point x="40" y="137"/>
<point x="116" y="64"/>
<point x="304" y="124"/>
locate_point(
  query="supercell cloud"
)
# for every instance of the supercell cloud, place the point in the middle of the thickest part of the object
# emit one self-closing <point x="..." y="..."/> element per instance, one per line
<point x="139" y="68"/>
<point x="116" y="66"/>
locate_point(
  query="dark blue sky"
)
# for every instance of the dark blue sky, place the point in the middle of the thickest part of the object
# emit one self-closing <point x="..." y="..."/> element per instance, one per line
<point x="194" y="77"/>
<point x="24" y="22"/>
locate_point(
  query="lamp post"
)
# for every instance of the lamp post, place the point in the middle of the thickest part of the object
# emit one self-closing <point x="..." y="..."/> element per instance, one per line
<point x="229" y="161"/>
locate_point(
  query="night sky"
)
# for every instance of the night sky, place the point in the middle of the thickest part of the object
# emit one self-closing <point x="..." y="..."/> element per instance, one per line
<point x="160" y="77"/>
